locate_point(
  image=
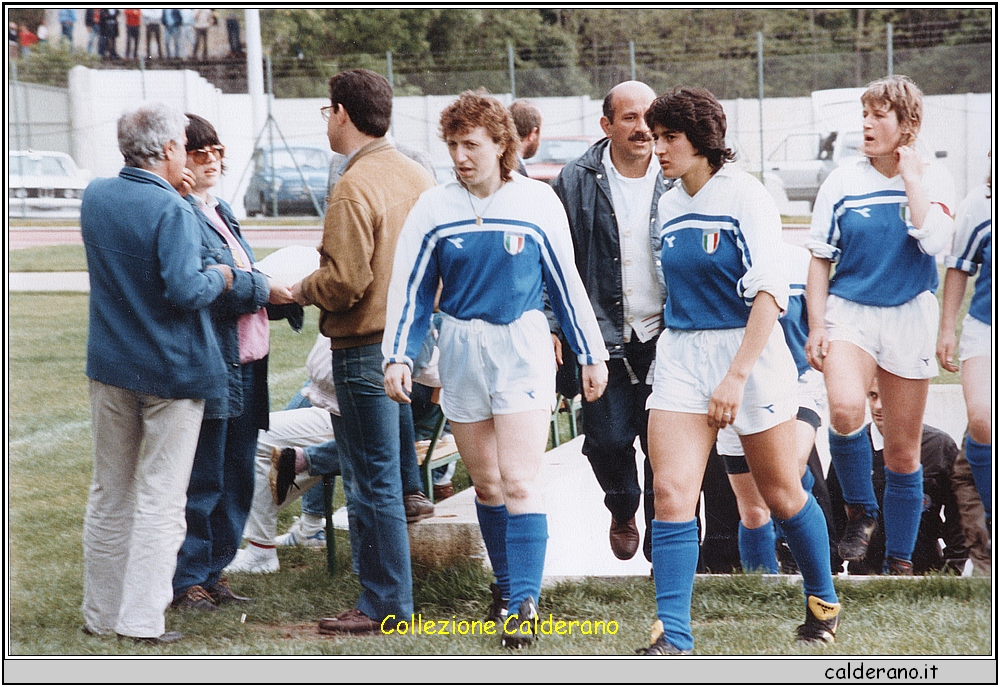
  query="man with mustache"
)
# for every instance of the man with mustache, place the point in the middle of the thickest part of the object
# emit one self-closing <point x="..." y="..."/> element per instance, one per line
<point x="610" y="194"/>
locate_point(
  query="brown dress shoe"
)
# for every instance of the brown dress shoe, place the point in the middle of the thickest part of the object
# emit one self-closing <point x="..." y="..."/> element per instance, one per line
<point x="443" y="491"/>
<point x="418" y="506"/>
<point x="194" y="599"/>
<point x="222" y="594"/>
<point x="352" y="622"/>
<point x="624" y="539"/>
<point x="282" y="474"/>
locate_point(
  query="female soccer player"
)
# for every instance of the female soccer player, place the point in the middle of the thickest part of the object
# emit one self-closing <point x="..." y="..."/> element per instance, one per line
<point x="492" y="238"/>
<point x="972" y="252"/>
<point x="722" y="361"/>
<point x="881" y="222"/>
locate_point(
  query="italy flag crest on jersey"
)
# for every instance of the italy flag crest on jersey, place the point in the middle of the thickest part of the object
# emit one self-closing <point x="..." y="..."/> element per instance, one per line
<point x="710" y="241"/>
<point x="513" y="243"/>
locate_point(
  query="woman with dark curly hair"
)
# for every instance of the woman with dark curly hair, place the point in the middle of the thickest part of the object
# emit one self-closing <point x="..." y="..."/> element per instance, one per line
<point x="722" y="362"/>
<point x="492" y="238"/>
<point x="221" y="487"/>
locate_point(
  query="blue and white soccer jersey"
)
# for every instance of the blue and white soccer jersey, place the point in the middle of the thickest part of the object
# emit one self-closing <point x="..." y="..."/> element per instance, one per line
<point x="491" y="273"/>
<point x="720" y="249"/>
<point x="882" y="293"/>
<point x="972" y="252"/>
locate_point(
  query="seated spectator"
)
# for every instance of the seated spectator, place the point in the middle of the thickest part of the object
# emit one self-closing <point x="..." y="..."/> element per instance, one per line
<point x="301" y="439"/>
<point x="940" y="518"/>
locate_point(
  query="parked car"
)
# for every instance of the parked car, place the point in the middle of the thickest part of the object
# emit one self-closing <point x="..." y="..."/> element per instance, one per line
<point x="44" y="183"/>
<point x="803" y="161"/>
<point x="554" y="153"/>
<point x="288" y="175"/>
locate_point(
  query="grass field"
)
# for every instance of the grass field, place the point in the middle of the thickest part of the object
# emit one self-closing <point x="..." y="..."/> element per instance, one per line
<point x="49" y="463"/>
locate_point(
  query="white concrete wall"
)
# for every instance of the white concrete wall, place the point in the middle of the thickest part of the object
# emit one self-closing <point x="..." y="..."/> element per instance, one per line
<point x="962" y="125"/>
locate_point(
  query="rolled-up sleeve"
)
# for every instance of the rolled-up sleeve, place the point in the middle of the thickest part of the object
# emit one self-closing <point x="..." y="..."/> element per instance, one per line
<point x="763" y="253"/>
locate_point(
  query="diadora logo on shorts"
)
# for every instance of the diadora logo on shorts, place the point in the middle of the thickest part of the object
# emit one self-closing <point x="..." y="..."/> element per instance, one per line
<point x="864" y="212"/>
<point x="769" y="408"/>
<point x="457" y="242"/>
<point x="710" y="241"/>
<point x="513" y="243"/>
<point x="531" y="394"/>
<point x="669" y="240"/>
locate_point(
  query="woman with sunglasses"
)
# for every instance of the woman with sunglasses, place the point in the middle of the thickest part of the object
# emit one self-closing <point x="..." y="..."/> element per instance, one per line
<point x="222" y="478"/>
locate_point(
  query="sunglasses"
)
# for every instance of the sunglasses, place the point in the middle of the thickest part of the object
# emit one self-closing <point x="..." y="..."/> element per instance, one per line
<point x="200" y="156"/>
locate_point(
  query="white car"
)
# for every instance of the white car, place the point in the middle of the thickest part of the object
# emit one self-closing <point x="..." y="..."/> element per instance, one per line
<point x="44" y="183"/>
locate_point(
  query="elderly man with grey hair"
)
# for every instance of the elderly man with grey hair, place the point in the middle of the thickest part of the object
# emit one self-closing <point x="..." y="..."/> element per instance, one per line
<point x="152" y="360"/>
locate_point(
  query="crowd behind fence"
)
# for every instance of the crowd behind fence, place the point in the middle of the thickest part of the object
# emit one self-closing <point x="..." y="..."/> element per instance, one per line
<point x="775" y="67"/>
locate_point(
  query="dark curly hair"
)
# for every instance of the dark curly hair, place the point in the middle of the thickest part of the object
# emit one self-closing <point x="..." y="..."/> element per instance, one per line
<point x="479" y="108"/>
<point x="698" y="115"/>
<point x="201" y="133"/>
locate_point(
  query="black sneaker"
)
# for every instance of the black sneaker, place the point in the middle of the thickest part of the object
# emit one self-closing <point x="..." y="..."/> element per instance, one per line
<point x="822" y="620"/>
<point x="896" y="566"/>
<point x="786" y="561"/>
<point x="498" y="606"/>
<point x="853" y="544"/>
<point x="282" y="475"/>
<point x="526" y="612"/>
<point x="659" y="646"/>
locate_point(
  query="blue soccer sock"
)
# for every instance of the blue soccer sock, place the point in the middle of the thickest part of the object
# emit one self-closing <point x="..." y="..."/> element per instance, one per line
<point x="981" y="462"/>
<point x="809" y="543"/>
<point x="493" y="526"/>
<point x="902" y="505"/>
<point x="757" y="549"/>
<point x="808" y="480"/>
<point x="852" y="458"/>
<point x="675" y="560"/>
<point x="526" y="537"/>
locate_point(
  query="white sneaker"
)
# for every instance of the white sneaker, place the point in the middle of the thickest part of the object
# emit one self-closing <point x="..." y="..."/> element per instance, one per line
<point x="254" y="559"/>
<point x="299" y="534"/>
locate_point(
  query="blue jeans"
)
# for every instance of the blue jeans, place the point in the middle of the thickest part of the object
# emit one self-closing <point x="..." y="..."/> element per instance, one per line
<point x="611" y="424"/>
<point x="219" y="494"/>
<point x="173" y="34"/>
<point x="369" y="432"/>
<point x="323" y="459"/>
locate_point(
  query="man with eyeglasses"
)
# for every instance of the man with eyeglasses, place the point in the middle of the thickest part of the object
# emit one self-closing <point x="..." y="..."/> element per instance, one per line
<point x="364" y="216"/>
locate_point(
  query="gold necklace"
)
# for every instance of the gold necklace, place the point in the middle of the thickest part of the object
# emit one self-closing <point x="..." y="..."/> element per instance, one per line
<point x="479" y="215"/>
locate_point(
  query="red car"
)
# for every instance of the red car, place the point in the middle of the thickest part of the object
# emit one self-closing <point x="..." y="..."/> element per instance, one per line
<point x="553" y="153"/>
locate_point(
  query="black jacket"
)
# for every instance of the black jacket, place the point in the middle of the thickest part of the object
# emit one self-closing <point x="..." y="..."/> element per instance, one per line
<point x="585" y="192"/>
<point x="940" y="517"/>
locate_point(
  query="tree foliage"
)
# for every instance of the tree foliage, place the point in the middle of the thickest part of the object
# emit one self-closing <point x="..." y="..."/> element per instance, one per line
<point x="586" y="50"/>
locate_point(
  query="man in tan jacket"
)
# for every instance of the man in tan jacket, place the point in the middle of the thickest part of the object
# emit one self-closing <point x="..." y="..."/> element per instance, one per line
<point x="364" y="215"/>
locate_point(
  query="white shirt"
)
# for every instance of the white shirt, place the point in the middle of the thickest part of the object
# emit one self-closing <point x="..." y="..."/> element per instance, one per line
<point x="632" y="200"/>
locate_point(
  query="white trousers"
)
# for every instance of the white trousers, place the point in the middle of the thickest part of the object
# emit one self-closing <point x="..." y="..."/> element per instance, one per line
<point x="289" y="429"/>
<point x="134" y="526"/>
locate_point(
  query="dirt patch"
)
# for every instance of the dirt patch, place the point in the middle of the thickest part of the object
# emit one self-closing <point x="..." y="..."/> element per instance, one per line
<point x="296" y="631"/>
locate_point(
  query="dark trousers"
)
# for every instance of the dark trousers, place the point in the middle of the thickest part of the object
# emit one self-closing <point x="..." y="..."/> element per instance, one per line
<point x="611" y="424"/>
<point x="131" y="42"/>
<point x="200" y="39"/>
<point x="219" y="494"/>
<point x="153" y="31"/>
